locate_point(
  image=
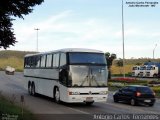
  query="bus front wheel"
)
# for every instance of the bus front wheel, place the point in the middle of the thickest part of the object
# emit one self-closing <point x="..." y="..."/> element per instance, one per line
<point x="89" y="103"/>
<point x="57" y="95"/>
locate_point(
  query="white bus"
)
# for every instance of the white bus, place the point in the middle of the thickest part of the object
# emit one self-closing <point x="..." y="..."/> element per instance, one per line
<point x="68" y="75"/>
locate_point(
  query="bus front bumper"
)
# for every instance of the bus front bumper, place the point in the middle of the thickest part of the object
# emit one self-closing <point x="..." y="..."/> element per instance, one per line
<point x="88" y="98"/>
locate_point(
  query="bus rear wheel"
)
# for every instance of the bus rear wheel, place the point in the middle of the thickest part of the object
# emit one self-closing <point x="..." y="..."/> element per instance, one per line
<point x="57" y="95"/>
<point x="33" y="90"/>
<point x="29" y="88"/>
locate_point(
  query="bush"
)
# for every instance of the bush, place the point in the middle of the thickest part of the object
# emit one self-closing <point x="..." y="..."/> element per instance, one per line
<point x="116" y="84"/>
<point x="121" y="75"/>
<point x="124" y="79"/>
<point x="156" y="89"/>
<point x="153" y="83"/>
<point x="128" y="80"/>
<point x="121" y="82"/>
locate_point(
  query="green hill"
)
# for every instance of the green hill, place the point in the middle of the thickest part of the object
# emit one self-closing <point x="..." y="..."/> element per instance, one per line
<point x="16" y="59"/>
<point x="12" y="58"/>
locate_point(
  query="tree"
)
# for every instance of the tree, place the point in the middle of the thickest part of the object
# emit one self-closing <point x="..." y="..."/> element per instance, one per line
<point x="109" y="59"/>
<point x="8" y="10"/>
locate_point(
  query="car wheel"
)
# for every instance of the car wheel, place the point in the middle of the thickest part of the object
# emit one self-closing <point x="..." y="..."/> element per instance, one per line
<point x="133" y="102"/>
<point x="57" y="95"/>
<point x="151" y="105"/>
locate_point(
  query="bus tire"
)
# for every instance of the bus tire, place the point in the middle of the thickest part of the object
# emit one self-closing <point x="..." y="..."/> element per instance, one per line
<point x="33" y="90"/>
<point x="29" y="88"/>
<point x="89" y="103"/>
<point x="57" y="95"/>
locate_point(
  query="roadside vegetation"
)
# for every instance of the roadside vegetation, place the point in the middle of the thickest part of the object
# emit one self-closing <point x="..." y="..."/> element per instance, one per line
<point x="11" y="111"/>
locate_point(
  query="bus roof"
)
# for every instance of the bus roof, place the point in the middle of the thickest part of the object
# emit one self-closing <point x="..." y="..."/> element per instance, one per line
<point x="68" y="50"/>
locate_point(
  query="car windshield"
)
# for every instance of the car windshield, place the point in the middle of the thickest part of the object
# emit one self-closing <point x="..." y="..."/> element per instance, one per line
<point x="87" y="58"/>
<point x="144" y="89"/>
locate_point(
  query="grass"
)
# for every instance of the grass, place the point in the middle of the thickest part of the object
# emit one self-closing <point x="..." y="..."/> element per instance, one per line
<point x="17" y="63"/>
<point x="13" y="58"/>
<point x="9" y="110"/>
<point x="119" y="70"/>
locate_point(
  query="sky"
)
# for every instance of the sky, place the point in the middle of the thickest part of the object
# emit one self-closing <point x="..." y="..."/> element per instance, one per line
<point x="94" y="24"/>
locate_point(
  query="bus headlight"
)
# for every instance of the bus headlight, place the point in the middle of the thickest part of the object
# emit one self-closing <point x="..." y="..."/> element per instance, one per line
<point x="74" y="93"/>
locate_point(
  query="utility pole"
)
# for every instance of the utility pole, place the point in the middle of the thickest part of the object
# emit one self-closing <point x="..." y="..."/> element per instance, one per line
<point x="37" y="38"/>
<point x="123" y="41"/>
<point x="154" y="50"/>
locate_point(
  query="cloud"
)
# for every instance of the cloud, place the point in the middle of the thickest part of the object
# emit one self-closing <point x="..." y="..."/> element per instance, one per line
<point x="63" y="30"/>
<point x="26" y="35"/>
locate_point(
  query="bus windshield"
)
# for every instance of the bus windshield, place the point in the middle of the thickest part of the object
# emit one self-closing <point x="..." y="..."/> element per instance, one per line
<point x="88" y="76"/>
<point x="87" y="58"/>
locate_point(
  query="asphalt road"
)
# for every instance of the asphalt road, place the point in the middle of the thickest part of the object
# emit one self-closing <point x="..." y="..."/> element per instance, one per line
<point x="13" y="87"/>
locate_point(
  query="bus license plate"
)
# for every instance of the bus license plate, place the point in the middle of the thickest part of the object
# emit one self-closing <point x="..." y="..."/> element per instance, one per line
<point x="89" y="99"/>
<point x="147" y="100"/>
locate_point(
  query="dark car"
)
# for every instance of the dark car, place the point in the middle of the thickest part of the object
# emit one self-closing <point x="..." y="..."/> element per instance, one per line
<point x="135" y="94"/>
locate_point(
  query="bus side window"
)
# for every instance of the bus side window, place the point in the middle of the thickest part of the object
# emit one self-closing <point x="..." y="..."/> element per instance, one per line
<point x="37" y="61"/>
<point x="26" y="62"/>
<point x="56" y="60"/>
<point x="29" y="62"/>
<point x="63" y="59"/>
<point x="43" y="61"/>
<point x="49" y="61"/>
<point x="32" y="62"/>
